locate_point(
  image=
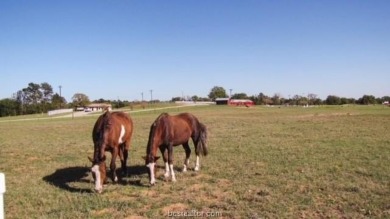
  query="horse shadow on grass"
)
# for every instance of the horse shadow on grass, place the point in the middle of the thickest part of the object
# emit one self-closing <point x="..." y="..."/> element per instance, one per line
<point x="134" y="174"/>
<point x="65" y="177"/>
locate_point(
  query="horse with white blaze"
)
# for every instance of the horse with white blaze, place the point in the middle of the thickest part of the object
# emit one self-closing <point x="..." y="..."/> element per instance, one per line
<point x="112" y="132"/>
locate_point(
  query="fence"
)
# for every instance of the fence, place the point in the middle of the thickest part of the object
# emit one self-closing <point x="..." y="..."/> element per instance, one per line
<point x="2" y="191"/>
<point x="54" y="112"/>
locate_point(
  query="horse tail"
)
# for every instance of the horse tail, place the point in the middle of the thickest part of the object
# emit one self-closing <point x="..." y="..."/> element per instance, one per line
<point x="201" y="146"/>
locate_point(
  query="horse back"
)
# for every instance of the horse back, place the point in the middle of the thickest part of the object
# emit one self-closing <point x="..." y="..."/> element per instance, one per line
<point x="113" y="128"/>
<point x="183" y="127"/>
<point x="122" y="126"/>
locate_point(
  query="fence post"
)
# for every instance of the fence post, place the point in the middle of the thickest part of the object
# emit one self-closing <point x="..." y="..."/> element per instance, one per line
<point x="2" y="191"/>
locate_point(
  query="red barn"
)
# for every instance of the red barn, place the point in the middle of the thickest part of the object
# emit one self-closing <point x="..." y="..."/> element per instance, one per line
<point x="239" y="102"/>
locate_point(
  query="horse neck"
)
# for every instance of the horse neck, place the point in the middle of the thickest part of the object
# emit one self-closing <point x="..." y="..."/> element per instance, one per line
<point x="158" y="134"/>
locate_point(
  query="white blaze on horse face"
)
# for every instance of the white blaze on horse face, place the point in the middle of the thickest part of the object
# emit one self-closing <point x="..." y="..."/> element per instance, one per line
<point x="98" y="185"/>
<point x="123" y="131"/>
<point x="151" y="169"/>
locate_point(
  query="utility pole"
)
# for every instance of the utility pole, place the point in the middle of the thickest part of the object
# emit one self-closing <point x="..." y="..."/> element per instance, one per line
<point x="60" y="96"/>
<point x="142" y="97"/>
<point x="230" y="93"/>
<point x="151" y="96"/>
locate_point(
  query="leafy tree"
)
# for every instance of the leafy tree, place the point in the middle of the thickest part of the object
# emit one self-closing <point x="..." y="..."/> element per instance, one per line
<point x="32" y="98"/>
<point x="101" y="100"/>
<point x="80" y="99"/>
<point x="217" y="92"/>
<point x="240" y="96"/>
<point x="35" y="98"/>
<point x="21" y="101"/>
<point x="47" y="92"/>
<point x="367" y="99"/>
<point x="33" y="93"/>
<point x="385" y="98"/>
<point x="262" y="99"/>
<point x="57" y="101"/>
<point x="8" y="107"/>
<point x="195" y="98"/>
<point x="254" y="99"/>
<point x="311" y="98"/>
<point x="174" y="99"/>
<point x="47" y="95"/>
<point x="333" y="100"/>
<point x="276" y="99"/>
<point x="117" y="103"/>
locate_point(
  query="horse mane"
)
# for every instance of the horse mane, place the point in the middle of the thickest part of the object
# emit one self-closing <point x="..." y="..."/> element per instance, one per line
<point x="104" y="122"/>
<point x="162" y="119"/>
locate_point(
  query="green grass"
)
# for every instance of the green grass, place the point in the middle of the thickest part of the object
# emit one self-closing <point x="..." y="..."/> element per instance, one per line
<point x="262" y="163"/>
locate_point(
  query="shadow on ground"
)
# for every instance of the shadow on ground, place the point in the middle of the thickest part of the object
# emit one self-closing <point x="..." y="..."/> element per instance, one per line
<point x="63" y="178"/>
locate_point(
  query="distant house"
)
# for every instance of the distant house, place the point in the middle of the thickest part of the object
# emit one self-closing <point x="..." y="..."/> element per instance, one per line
<point x="241" y="102"/>
<point x="234" y="102"/>
<point x="222" y="101"/>
<point x="93" y="107"/>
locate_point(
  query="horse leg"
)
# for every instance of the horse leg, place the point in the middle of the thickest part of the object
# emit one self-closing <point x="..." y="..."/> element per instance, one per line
<point x="112" y="165"/>
<point x="124" y="153"/>
<point x="187" y="149"/>
<point x="170" y="161"/>
<point x="197" y="165"/>
<point x="165" y="158"/>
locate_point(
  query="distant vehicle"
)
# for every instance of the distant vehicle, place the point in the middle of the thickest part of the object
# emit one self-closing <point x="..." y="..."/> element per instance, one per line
<point x="87" y="110"/>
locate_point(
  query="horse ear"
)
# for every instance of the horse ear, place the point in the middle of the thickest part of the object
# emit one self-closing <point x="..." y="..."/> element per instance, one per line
<point x="143" y="157"/>
<point x="90" y="159"/>
<point x="156" y="158"/>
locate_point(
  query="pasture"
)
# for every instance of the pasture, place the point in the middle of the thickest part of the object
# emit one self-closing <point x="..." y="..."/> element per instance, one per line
<point x="263" y="162"/>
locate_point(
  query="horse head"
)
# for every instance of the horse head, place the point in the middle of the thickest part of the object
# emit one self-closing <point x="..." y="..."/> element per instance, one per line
<point x="99" y="173"/>
<point x="150" y="161"/>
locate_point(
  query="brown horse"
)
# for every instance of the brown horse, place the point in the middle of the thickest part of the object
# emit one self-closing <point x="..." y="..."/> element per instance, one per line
<point x="168" y="131"/>
<point x="112" y="132"/>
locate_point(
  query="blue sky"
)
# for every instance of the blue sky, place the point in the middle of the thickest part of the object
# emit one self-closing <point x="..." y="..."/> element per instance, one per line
<point x="119" y="49"/>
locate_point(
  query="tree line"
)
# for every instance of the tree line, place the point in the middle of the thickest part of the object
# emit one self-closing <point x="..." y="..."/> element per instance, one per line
<point x="35" y="98"/>
<point x="310" y="99"/>
<point x="40" y="98"/>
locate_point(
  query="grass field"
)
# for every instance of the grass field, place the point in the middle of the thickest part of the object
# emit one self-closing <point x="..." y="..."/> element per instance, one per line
<point x="263" y="162"/>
